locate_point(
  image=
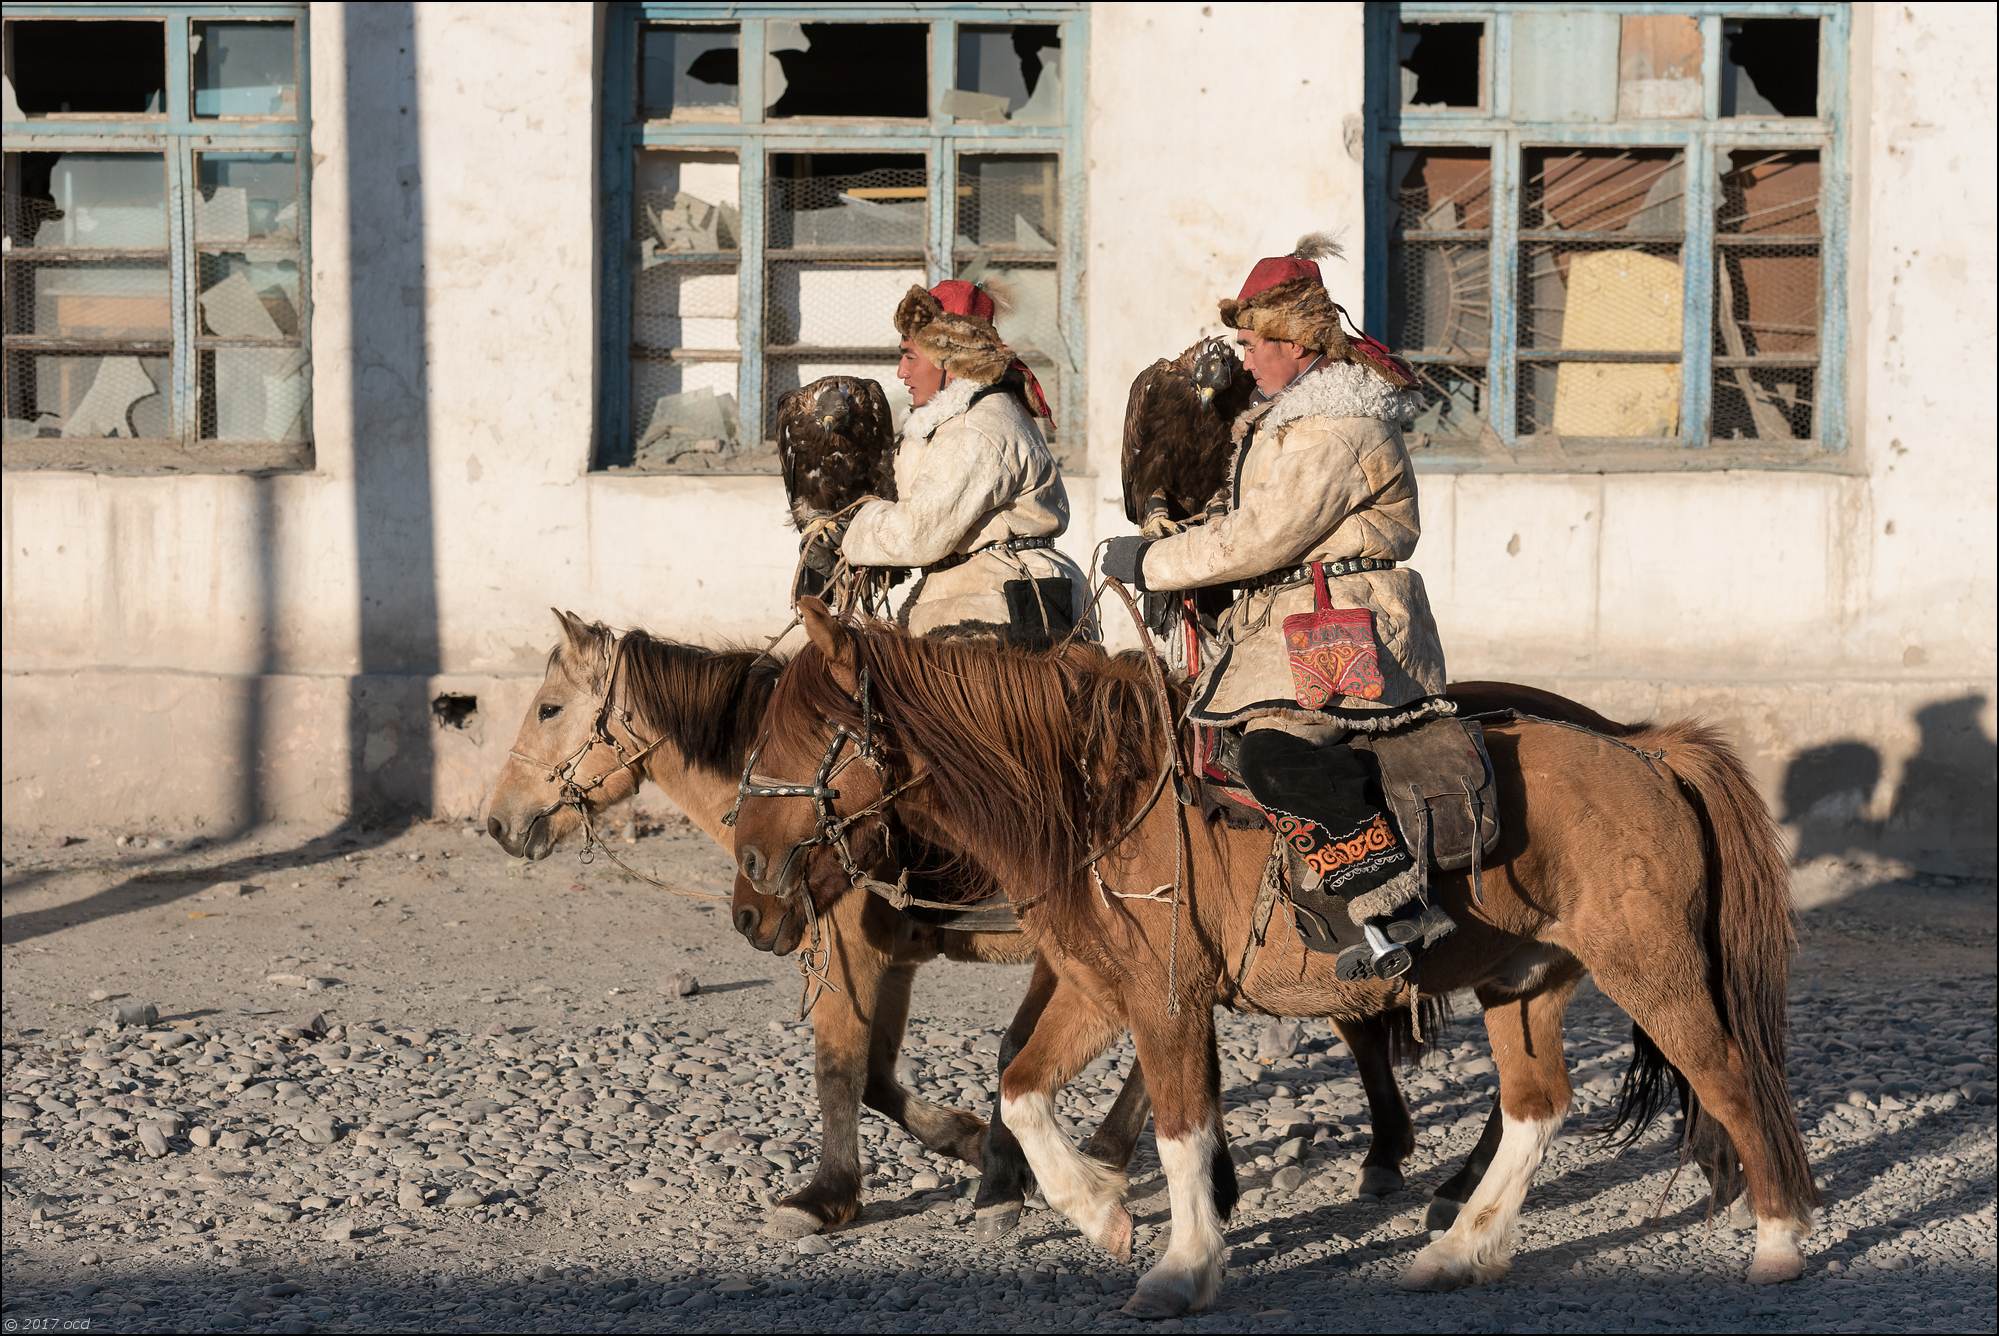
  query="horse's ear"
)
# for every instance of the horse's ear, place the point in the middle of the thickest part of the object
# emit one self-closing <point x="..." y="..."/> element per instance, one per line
<point x="834" y="640"/>
<point x="574" y="633"/>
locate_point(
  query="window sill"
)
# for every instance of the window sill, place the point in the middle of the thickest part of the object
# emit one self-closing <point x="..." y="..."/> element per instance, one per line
<point x="139" y="458"/>
<point x="1603" y="457"/>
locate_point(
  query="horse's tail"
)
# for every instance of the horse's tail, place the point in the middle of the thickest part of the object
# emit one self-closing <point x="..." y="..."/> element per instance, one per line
<point x="1750" y="937"/>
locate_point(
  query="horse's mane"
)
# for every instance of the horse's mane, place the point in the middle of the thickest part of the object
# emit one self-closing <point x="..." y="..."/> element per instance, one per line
<point x="1035" y="756"/>
<point x="706" y="703"/>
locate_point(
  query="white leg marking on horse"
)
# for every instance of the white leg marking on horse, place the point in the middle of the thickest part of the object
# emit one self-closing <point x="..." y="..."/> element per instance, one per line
<point x="1478" y="1247"/>
<point x="1185" y="1278"/>
<point x="1088" y="1191"/>
<point x="1778" y="1257"/>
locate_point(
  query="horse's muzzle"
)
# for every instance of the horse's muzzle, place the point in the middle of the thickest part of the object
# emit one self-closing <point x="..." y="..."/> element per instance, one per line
<point x="534" y="844"/>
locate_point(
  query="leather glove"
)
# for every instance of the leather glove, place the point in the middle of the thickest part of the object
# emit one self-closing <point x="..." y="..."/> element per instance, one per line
<point x="1124" y="560"/>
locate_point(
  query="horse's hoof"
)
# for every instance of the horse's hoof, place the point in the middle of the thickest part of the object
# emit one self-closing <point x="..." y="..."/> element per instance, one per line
<point x="990" y="1224"/>
<point x="1157" y="1304"/>
<point x="792" y="1222"/>
<point x="1376" y="1181"/>
<point x="1443" y="1213"/>
<point x="1114" y="1235"/>
<point x="1775" y="1270"/>
<point x="1438" y="1270"/>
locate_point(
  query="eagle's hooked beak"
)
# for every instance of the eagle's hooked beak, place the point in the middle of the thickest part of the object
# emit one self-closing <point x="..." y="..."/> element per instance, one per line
<point x="826" y="419"/>
<point x="1207" y="395"/>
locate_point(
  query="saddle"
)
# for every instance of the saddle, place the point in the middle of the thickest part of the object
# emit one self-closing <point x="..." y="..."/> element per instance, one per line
<point x="1437" y="779"/>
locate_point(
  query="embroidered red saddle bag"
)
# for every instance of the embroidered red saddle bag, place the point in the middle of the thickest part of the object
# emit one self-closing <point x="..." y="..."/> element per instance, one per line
<point x="1332" y="650"/>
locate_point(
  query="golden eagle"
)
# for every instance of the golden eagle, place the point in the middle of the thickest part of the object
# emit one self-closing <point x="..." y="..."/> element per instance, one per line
<point x="835" y="445"/>
<point x="1176" y="434"/>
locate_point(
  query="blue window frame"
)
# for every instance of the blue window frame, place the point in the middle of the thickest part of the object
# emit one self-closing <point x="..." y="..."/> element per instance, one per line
<point x="1613" y="235"/>
<point x="158" y="303"/>
<point x="776" y="176"/>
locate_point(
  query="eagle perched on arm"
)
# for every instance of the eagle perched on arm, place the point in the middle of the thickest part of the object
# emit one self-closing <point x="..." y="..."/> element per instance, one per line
<point x="1176" y="434"/>
<point x="1176" y="453"/>
<point x="835" y="445"/>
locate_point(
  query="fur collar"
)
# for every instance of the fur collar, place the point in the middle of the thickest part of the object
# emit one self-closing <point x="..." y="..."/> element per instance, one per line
<point x="1340" y="390"/>
<point x="951" y="401"/>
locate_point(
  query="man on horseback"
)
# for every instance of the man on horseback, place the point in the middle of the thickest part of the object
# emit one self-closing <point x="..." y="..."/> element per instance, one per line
<point x="980" y="499"/>
<point x="1330" y="636"/>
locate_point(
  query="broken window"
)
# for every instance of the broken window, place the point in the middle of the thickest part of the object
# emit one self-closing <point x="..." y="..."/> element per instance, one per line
<point x="875" y="70"/>
<point x="85" y="67"/>
<point x="155" y="291"/>
<point x="244" y="69"/>
<point x="867" y="176"/>
<point x="1767" y="296"/>
<point x="1443" y="64"/>
<point x="689" y="71"/>
<point x="1770" y="67"/>
<point x="1008" y="74"/>
<point x="1659" y="66"/>
<point x="1544" y="286"/>
<point x="1440" y="281"/>
<point x="1600" y="292"/>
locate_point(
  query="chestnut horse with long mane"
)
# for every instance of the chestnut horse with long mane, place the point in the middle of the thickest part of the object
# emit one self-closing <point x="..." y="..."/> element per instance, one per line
<point x="1649" y="862"/>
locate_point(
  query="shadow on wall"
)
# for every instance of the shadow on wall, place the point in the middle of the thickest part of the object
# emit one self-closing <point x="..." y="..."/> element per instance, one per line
<point x="388" y="713"/>
<point x="1942" y="811"/>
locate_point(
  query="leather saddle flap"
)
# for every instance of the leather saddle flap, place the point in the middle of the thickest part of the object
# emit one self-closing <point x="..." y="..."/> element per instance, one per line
<point x="1437" y="778"/>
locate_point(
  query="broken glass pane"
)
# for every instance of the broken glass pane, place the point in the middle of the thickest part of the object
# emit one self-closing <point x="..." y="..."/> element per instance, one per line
<point x="1031" y="300"/>
<point x="1453" y="404"/>
<point x="1770" y="67"/>
<point x="1636" y="190"/>
<point x="100" y="67"/>
<point x="242" y="298"/>
<point x="1009" y="202"/>
<point x="246" y="197"/>
<point x="872" y="70"/>
<point x="874" y="201"/>
<point x="1012" y="73"/>
<point x="1659" y="66"/>
<point x="97" y="201"/>
<point x="1765" y="403"/>
<point x="689" y="70"/>
<point x="685" y="204"/>
<point x="89" y="299"/>
<point x="255" y="394"/>
<point x="87" y="396"/>
<point x="1443" y="64"/>
<point x="683" y="413"/>
<point x="244" y="69"/>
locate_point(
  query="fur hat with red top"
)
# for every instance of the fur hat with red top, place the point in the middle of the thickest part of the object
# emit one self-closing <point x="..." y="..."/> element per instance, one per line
<point x="1285" y="298"/>
<point x="952" y="325"/>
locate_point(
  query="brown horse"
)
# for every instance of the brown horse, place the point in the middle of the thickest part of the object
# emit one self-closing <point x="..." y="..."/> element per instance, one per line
<point x="1650" y="863"/>
<point x="684" y="717"/>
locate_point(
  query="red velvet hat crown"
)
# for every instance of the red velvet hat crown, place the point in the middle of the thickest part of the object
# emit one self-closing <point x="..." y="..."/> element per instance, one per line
<point x="959" y="297"/>
<point x="1275" y="270"/>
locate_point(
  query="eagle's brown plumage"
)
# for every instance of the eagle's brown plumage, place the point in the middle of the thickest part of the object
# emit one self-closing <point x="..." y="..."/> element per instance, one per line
<point x="836" y="444"/>
<point x="1176" y="440"/>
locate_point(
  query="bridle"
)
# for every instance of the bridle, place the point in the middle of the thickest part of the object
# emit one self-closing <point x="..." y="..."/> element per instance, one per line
<point x="830" y="829"/>
<point x="570" y="793"/>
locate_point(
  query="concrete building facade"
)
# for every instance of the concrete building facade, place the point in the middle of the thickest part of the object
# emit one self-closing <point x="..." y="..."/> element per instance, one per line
<point x="207" y="644"/>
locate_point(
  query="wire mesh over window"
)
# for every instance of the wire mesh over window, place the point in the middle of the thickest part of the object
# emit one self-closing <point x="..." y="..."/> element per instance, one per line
<point x="1767" y="281"/>
<point x="1601" y="293"/>
<point x="1440" y="282"/>
<point x="253" y="379"/>
<point x="849" y="235"/>
<point x="88" y="296"/>
<point x="1009" y="227"/>
<point x="686" y="342"/>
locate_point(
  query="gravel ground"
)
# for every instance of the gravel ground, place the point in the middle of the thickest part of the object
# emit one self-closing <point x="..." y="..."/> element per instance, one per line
<point x="394" y="1082"/>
